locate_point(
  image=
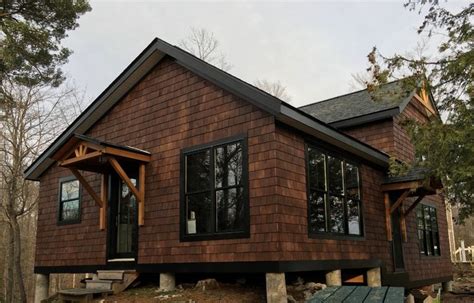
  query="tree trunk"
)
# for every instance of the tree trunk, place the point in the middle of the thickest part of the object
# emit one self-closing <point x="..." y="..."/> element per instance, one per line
<point x="17" y="260"/>
<point x="9" y="291"/>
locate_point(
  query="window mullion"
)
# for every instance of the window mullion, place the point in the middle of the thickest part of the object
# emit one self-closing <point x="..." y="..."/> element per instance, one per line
<point x="212" y="175"/>
<point x="344" y="198"/>
<point x="425" y="231"/>
<point x="326" y="195"/>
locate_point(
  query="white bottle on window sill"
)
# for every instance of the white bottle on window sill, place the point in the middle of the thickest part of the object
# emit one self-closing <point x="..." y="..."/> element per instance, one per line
<point x="192" y="224"/>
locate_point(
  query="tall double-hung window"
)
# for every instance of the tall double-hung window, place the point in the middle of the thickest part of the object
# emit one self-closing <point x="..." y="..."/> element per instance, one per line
<point x="214" y="191"/>
<point x="69" y="201"/>
<point x="428" y="234"/>
<point x="334" y="194"/>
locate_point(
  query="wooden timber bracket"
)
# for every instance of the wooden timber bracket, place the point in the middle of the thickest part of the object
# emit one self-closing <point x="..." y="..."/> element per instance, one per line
<point x="399" y="204"/>
<point x="101" y="200"/>
<point x="139" y="192"/>
<point x="84" y="153"/>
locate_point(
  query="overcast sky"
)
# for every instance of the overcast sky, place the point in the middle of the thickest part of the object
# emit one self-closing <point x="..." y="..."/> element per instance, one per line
<point x="312" y="47"/>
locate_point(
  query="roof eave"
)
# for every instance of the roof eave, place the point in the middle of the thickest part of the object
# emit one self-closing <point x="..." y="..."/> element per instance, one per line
<point x="310" y="125"/>
<point x="145" y="63"/>
<point x="360" y="120"/>
<point x="112" y="94"/>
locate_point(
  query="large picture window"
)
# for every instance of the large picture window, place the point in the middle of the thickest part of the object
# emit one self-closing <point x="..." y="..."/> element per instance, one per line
<point x="428" y="235"/>
<point x="334" y="202"/>
<point x="69" y="201"/>
<point x="214" y="191"/>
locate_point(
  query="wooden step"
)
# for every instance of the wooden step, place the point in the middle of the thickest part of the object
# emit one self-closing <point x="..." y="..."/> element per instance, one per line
<point x="110" y="274"/>
<point x="128" y="278"/>
<point x="99" y="284"/>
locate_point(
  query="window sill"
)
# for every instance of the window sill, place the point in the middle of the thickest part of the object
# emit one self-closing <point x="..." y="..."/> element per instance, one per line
<point x="211" y="237"/>
<point x="329" y="236"/>
<point x="69" y="222"/>
<point x="430" y="257"/>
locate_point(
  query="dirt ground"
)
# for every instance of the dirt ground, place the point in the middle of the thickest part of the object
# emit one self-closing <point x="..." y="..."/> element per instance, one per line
<point x="463" y="286"/>
<point x="228" y="293"/>
<point x="463" y="292"/>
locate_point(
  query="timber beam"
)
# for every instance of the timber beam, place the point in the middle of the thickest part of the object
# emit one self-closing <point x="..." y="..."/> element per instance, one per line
<point x="80" y="158"/>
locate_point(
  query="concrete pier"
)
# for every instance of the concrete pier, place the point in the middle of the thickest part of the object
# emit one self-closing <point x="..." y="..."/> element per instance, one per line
<point x="167" y="281"/>
<point x="276" y="288"/>
<point x="333" y="278"/>
<point x="41" y="288"/>
<point x="374" y="278"/>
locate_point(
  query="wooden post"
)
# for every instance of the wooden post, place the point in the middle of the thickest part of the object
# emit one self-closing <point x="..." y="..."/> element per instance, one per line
<point x="141" y="201"/>
<point x="388" y="218"/>
<point x="403" y="224"/>
<point x="463" y="252"/>
<point x="103" y="197"/>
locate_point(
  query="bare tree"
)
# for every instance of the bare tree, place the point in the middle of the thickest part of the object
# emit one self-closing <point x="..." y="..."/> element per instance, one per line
<point x="273" y="88"/>
<point x="359" y="81"/>
<point x="204" y="45"/>
<point x="32" y="117"/>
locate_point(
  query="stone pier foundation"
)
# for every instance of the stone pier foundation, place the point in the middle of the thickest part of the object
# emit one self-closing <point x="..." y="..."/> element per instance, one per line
<point x="333" y="278"/>
<point x="374" y="278"/>
<point x="276" y="288"/>
<point x="447" y="286"/>
<point x="167" y="282"/>
<point x="41" y="288"/>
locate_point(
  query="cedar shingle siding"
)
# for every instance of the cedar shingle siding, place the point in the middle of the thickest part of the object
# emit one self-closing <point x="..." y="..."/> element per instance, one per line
<point x="171" y="109"/>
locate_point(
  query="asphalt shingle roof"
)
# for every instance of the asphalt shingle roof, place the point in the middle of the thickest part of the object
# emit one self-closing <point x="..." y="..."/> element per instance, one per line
<point x="360" y="103"/>
<point x="414" y="174"/>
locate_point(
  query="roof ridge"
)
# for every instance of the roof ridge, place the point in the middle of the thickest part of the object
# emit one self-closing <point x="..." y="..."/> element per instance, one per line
<point x="344" y="95"/>
<point x="148" y="59"/>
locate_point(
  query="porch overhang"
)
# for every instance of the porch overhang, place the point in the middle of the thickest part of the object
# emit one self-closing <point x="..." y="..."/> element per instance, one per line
<point x="83" y="153"/>
<point x="413" y="184"/>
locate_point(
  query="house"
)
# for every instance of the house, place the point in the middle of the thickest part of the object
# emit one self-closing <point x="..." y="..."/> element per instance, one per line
<point x="180" y="167"/>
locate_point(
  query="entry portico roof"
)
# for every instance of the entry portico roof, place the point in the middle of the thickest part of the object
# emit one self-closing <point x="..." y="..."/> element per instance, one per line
<point x="90" y="154"/>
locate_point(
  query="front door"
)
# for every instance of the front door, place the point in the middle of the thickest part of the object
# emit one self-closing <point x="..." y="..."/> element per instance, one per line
<point x="123" y="222"/>
<point x="397" y="240"/>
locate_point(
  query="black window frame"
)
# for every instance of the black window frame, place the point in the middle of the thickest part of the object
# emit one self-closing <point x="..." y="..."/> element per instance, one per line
<point x="214" y="235"/>
<point x="59" y="220"/>
<point x="430" y="232"/>
<point x="327" y="234"/>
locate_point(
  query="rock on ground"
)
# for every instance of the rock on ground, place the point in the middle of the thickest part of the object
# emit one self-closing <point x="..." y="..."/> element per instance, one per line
<point x="207" y="284"/>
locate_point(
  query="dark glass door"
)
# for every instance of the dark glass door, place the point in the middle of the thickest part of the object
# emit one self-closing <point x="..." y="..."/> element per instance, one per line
<point x="397" y="240"/>
<point x="123" y="223"/>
